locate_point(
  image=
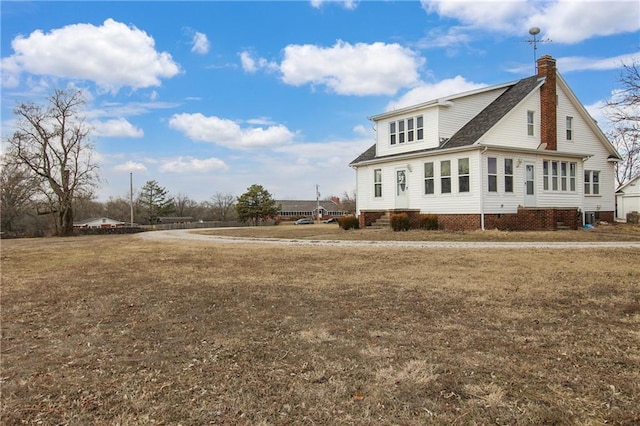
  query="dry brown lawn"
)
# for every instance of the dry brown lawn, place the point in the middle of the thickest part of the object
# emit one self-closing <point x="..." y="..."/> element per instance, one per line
<point x="119" y="330"/>
<point x="604" y="232"/>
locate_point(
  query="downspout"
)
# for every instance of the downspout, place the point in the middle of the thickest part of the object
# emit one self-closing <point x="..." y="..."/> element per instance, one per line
<point x="583" y="214"/>
<point x="482" y="187"/>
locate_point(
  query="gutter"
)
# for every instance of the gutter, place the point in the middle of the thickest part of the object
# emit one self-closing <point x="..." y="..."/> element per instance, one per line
<point x="482" y="187"/>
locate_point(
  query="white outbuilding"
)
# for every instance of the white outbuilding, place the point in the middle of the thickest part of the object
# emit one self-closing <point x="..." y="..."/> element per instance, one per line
<point x="628" y="198"/>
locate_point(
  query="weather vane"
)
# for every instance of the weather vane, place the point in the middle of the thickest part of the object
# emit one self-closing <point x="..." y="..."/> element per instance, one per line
<point x="534" y="31"/>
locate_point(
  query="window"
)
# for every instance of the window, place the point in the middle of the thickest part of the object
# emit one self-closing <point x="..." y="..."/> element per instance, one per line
<point x="530" y="127"/>
<point x="508" y="175"/>
<point x="554" y="175"/>
<point x="377" y="182"/>
<point x="587" y="182"/>
<point x="392" y="132"/>
<point x="410" y="130"/>
<point x="445" y="177"/>
<point x="545" y="174"/>
<point x="559" y="175"/>
<point x="492" y="171"/>
<point x="569" y="128"/>
<point x="463" y="175"/>
<point x="428" y="179"/>
<point x="591" y="182"/>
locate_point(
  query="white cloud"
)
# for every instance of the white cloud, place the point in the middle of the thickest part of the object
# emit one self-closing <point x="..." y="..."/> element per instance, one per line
<point x="577" y="63"/>
<point x="445" y="37"/>
<point x="200" y="43"/>
<point x="581" y="63"/>
<point x="248" y="64"/>
<point x="588" y="19"/>
<point x="190" y="164"/>
<point x="228" y="133"/>
<point x="346" y="69"/>
<point x="563" y="21"/>
<point x="116" y="128"/>
<point x="261" y="121"/>
<point x="130" y="166"/>
<point x="251" y="65"/>
<point x="112" y="55"/>
<point x="347" y="4"/>
<point x="361" y="130"/>
<point x="428" y="92"/>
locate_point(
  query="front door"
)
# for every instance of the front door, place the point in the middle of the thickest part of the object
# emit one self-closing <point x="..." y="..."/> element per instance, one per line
<point x="530" y="185"/>
<point x="402" y="201"/>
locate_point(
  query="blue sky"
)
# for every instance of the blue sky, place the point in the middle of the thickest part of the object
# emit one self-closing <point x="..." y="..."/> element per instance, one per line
<point x="211" y="97"/>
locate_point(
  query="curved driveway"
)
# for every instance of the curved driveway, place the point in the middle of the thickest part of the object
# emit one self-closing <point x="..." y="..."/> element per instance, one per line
<point x="190" y="235"/>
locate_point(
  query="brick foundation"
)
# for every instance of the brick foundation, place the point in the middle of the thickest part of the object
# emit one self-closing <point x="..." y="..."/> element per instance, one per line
<point x="526" y="219"/>
<point x="366" y="218"/>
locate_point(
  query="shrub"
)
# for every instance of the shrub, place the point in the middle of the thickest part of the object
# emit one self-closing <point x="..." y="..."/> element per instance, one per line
<point x="349" y="222"/>
<point x="400" y="222"/>
<point x="429" y="221"/>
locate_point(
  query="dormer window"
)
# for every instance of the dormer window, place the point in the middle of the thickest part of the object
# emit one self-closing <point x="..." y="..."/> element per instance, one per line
<point x="401" y="131"/>
<point x="408" y="130"/>
<point x="392" y="132"/>
<point x="419" y="127"/>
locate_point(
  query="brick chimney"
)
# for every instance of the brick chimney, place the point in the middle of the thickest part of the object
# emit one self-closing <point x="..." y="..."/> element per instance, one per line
<point x="548" y="102"/>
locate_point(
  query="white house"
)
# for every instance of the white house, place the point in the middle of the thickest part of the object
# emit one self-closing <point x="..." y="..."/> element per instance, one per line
<point x="628" y="198"/>
<point x="98" y="222"/>
<point x="520" y="155"/>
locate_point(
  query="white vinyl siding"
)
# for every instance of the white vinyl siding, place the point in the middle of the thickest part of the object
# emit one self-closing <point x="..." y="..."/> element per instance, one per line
<point x="452" y="118"/>
<point x="511" y="129"/>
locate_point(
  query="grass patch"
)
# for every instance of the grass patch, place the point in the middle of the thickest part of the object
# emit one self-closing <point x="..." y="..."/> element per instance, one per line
<point x="116" y="329"/>
<point x="608" y="232"/>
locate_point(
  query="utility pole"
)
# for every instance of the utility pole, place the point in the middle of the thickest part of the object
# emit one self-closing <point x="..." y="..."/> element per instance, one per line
<point x="131" y="196"/>
<point x="318" y="203"/>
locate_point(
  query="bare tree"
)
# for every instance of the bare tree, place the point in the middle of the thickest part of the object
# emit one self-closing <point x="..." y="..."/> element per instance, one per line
<point x="222" y="206"/>
<point x="120" y="209"/>
<point x="18" y="190"/>
<point x="85" y="206"/>
<point x="184" y="205"/>
<point x="627" y="142"/>
<point x="52" y="142"/>
<point x="348" y="202"/>
<point x="623" y="109"/>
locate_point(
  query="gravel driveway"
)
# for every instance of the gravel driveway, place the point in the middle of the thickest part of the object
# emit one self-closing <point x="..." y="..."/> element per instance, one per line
<point x="190" y="235"/>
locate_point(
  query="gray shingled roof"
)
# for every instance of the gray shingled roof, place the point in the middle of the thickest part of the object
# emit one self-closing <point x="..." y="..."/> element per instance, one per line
<point x="488" y="117"/>
<point x="478" y="125"/>
<point x="307" y="205"/>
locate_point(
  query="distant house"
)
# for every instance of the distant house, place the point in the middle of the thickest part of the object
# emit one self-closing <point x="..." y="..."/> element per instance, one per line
<point x="98" y="222"/>
<point x="522" y="155"/>
<point x="294" y="209"/>
<point x="628" y="198"/>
